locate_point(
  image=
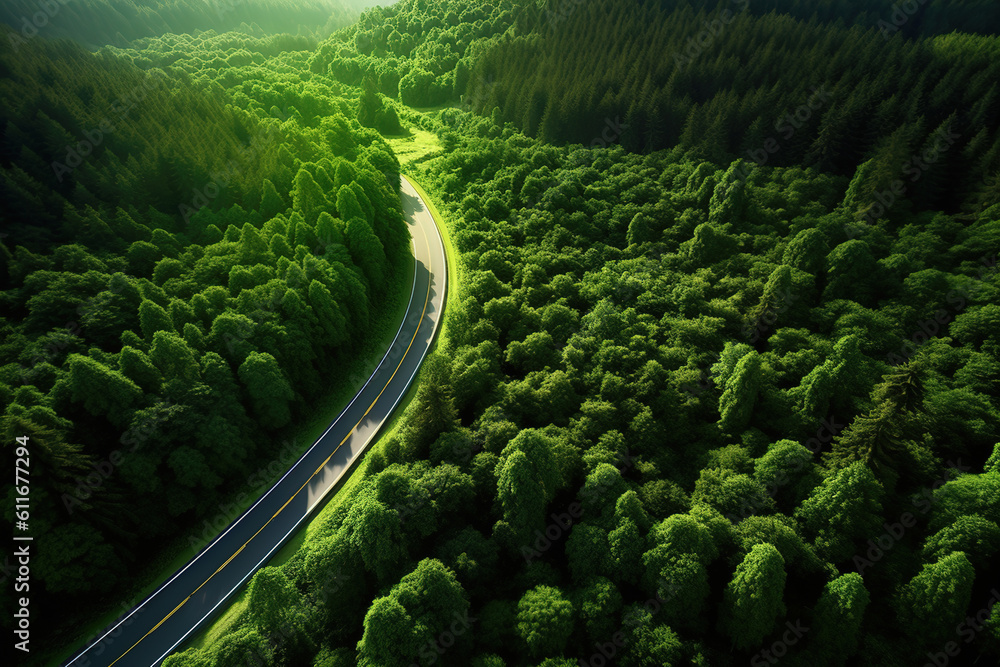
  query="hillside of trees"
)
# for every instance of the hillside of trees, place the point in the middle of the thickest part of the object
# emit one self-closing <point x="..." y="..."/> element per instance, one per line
<point x="777" y="83"/>
<point x="421" y="52"/>
<point x="675" y="384"/>
<point x="181" y="277"/>
<point x="679" y="413"/>
<point x="720" y="383"/>
<point x="903" y="18"/>
<point x="768" y="88"/>
<point x="99" y="22"/>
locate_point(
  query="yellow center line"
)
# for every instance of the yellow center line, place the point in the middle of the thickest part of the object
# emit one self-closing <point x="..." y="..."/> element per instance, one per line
<point x="346" y="438"/>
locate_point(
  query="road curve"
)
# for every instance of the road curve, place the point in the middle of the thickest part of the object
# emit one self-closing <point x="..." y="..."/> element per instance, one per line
<point x="159" y="624"/>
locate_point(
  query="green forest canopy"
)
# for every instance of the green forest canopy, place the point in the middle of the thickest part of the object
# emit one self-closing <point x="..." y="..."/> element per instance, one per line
<point x="690" y="400"/>
<point x="175" y="277"/>
<point x="99" y="22"/>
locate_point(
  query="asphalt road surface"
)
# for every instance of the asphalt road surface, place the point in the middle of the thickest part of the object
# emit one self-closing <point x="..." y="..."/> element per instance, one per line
<point x="157" y="626"/>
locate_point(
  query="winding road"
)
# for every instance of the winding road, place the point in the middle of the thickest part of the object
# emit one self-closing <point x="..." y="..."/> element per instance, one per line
<point x="159" y="624"/>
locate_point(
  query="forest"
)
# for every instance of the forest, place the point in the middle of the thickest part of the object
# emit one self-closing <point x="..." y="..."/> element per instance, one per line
<point x="173" y="265"/>
<point x="96" y="23"/>
<point x="721" y="372"/>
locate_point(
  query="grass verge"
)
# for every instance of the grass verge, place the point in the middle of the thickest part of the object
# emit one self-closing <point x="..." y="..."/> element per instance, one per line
<point x="415" y="146"/>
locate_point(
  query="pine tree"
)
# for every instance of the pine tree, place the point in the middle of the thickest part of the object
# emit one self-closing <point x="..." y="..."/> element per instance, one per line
<point x="434" y="411"/>
<point x="883" y="437"/>
<point x="740" y="394"/>
<point x="328" y="313"/>
<point x="367" y="252"/>
<point x="370" y="105"/>
<point x="271" y="203"/>
<point x="307" y="197"/>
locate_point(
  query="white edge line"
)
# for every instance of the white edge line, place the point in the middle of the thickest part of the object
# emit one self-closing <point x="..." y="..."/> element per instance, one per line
<point x="347" y="467"/>
<point x="205" y="549"/>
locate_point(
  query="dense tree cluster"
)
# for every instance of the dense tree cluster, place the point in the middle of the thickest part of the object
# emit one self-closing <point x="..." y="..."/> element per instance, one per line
<point x="265" y="75"/>
<point x="763" y="86"/>
<point x="909" y="19"/>
<point x="419" y="51"/>
<point x="781" y="83"/>
<point x="689" y="410"/>
<point x="178" y="285"/>
<point x="211" y="54"/>
<point x="118" y="22"/>
<point x="694" y="436"/>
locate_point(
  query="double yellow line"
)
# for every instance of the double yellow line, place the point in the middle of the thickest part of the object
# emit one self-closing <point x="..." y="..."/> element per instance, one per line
<point x="317" y="471"/>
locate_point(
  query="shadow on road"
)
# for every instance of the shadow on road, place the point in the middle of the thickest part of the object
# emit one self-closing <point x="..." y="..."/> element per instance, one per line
<point x="411" y="203"/>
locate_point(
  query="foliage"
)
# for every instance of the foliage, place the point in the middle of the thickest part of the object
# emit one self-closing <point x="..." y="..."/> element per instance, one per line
<point x="683" y="397"/>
